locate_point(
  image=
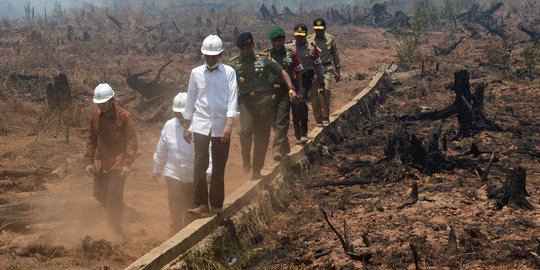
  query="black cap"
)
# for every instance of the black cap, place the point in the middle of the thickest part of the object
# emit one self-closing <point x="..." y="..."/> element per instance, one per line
<point x="319" y="24"/>
<point x="244" y="40"/>
<point x="300" y="30"/>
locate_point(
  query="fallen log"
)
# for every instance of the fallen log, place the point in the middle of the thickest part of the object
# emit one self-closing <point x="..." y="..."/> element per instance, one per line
<point x="149" y="89"/>
<point x="115" y="21"/>
<point x="446" y="51"/>
<point x="25" y="172"/>
<point x="15" y="217"/>
<point x="346" y="182"/>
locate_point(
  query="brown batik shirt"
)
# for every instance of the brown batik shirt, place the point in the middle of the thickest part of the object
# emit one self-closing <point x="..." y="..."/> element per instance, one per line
<point x="112" y="142"/>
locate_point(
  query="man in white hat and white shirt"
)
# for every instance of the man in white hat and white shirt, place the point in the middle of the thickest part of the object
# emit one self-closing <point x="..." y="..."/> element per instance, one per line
<point x="211" y="106"/>
<point x="175" y="158"/>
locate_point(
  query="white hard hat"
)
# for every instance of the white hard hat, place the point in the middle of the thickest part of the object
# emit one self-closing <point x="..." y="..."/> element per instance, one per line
<point x="179" y="103"/>
<point x="103" y="93"/>
<point x="212" y="45"/>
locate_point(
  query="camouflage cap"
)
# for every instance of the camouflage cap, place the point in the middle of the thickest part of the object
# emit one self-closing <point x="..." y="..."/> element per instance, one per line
<point x="276" y="32"/>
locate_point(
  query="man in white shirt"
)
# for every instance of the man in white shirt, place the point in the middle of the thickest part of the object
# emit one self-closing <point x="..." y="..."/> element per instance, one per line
<point x="212" y="104"/>
<point x="175" y="157"/>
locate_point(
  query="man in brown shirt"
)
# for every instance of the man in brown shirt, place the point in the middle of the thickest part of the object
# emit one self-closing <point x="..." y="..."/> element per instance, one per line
<point x="110" y="150"/>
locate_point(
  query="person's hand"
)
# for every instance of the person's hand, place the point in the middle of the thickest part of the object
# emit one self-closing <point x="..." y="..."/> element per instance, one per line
<point x="187" y="136"/>
<point x="337" y="76"/>
<point x="125" y="171"/>
<point x="226" y="134"/>
<point x="208" y="178"/>
<point x="156" y="176"/>
<point x="293" y="96"/>
<point x="90" y="169"/>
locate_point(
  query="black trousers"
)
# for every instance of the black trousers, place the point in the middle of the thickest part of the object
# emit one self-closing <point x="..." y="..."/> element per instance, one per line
<point x="220" y="154"/>
<point x="300" y="109"/>
<point x="109" y="192"/>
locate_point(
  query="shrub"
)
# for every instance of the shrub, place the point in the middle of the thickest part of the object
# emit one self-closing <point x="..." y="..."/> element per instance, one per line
<point x="406" y="48"/>
<point x="531" y="56"/>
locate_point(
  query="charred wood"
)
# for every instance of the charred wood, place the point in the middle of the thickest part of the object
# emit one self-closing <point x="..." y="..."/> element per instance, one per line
<point x="148" y="89"/>
<point x="413" y="197"/>
<point x="346" y="182"/>
<point x="468" y="107"/>
<point x="514" y="190"/>
<point x="530" y="31"/>
<point x="58" y="93"/>
<point x="345" y="242"/>
<point x="445" y="51"/>
<point x="116" y="22"/>
<point x="488" y="167"/>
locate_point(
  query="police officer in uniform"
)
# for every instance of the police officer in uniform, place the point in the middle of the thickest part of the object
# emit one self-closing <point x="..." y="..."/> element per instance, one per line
<point x="309" y="57"/>
<point x="331" y="65"/>
<point x="290" y="62"/>
<point x="255" y="101"/>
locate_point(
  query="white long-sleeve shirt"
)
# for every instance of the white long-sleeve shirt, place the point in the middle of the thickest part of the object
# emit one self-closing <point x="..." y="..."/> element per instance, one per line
<point x="212" y="97"/>
<point x="174" y="155"/>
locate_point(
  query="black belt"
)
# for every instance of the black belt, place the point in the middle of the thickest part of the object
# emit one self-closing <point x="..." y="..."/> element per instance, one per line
<point x="327" y="63"/>
<point x="254" y="93"/>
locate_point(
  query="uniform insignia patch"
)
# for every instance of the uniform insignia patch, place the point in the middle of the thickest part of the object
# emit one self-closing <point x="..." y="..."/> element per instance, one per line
<point x="241" y="79"/>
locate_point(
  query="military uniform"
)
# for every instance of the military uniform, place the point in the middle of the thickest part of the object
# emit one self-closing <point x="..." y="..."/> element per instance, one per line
<point x="282" y="106"/>
<point x="256" y="104"/>
<point x="309" y="57"/>
<point x="329" y="55"/>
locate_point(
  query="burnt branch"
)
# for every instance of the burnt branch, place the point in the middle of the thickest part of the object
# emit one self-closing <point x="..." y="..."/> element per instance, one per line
<point x="349" y="249"/>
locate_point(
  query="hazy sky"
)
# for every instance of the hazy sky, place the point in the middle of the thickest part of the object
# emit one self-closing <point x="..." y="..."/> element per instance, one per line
<point x="15" y="8"/>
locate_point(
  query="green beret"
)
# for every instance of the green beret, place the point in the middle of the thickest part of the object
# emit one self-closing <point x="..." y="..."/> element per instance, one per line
<point x="275" y="33"/>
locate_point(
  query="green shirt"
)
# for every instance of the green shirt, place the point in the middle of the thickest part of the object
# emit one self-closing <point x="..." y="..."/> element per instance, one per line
<point x="286" y="58"/>
<point x="253" y="73"/>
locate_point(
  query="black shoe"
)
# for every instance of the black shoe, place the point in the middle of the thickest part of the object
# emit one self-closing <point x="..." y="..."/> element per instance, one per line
<point x="256" y="176"/>
<point x="247" y="168"/>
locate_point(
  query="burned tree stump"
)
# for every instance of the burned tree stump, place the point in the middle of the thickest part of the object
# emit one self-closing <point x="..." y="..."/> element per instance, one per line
<point x="412" y="152"/>
<point x="468" y="107"/>
<point x="58" y="93"/>
<point x="514" y="190"/>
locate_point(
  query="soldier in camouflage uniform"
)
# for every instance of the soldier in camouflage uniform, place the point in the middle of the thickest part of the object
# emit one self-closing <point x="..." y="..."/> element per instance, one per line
<point x="311" y="62"/>
<point x="290" y="62"/>
<point x="331" y="65"/>
<point x="255" y="101"/>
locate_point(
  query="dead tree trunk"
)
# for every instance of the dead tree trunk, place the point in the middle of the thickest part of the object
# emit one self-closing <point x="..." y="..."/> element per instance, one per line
<point x="59" y="93"/>
<point x="530" y="31"/>
<point x="468" y="107"/>
<point x="514" y="190"/>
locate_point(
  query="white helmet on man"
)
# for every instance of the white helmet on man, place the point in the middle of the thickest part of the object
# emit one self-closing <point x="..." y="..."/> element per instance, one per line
<point x="103" y="93"/>
<point x="179" y="103"/>
<point x="212" y="45"/>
